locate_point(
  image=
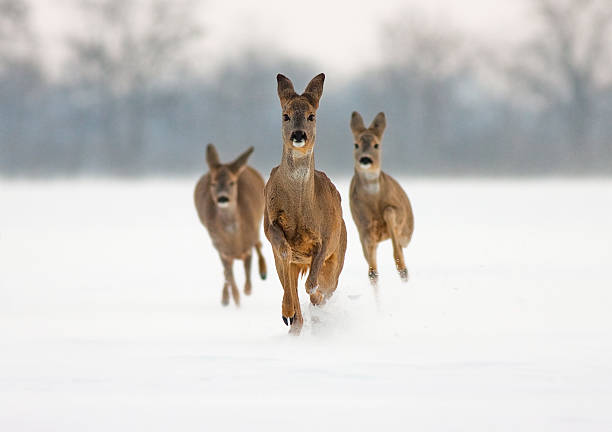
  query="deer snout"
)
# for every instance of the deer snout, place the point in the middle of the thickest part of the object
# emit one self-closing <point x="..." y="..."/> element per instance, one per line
<point x="365" y="161"/>
<point x="298" y="138"/>
<point x="223" y="201"/>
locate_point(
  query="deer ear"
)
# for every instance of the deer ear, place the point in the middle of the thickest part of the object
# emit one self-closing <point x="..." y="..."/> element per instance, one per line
<point x="357" y="125"/>
<point x="314" y="89"/>
<point x="240" y="163"/>
<point x="285" y="88"/>
<point x="378" y="124"/>
<point x="212" y="157"/>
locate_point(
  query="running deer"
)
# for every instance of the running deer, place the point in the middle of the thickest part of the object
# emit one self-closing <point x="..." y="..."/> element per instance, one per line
<point x="379" y="205"/>
<point x="303" y="216"/>
<point x="229" y="202"/>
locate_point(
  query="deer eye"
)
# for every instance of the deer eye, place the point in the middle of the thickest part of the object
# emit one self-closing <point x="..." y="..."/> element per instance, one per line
<point x="286" y="117"/>
<point x="375" y="145"/>
<point x="311" y="117"/>
<point x="356" y="145"/>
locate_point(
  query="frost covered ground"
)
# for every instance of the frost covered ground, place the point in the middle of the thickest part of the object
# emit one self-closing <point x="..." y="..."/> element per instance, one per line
<point x="110" y="317"/>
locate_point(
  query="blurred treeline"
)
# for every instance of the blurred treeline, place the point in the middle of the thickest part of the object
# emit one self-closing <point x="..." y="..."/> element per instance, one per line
<point x="131" y="102"/>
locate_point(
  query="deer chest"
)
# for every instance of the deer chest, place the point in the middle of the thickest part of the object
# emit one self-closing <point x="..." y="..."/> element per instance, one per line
<point x="367" y="214"/>
<point x="377" y="228"/>
<point x="299" y="235"/>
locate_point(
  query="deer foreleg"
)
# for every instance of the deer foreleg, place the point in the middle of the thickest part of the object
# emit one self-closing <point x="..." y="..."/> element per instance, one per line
<point x="229" y="280"/>
<point x="318" y="258"/>
<point x="288" y="310"/>
<point x="298" y="320"/>
<point x="277" y="239"/>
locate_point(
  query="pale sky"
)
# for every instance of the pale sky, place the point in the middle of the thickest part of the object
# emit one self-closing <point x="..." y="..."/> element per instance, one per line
<point x="341" y="37"/>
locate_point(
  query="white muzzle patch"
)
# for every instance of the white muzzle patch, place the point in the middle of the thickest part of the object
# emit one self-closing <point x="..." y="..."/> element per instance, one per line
<point x="365" y="162"/>
<point x="299" y="144"/>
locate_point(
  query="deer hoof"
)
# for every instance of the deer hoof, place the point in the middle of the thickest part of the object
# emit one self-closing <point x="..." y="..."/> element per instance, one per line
<point x="296" y="328"/>
<point x="263" y="276"/>
<point x="316" y="298"/>
<point x="247" y="289"/>
<point x="225" y="299"/>
<point x="373" y="275"/>
<point x="404" y="275"/>
<point x="289" y="320"/>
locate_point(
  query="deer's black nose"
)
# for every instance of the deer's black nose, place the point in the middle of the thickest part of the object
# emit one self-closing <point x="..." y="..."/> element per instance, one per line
<point x="298" y="135"/>
<point x="365" y="161"/>
<point x="223" y="200"/>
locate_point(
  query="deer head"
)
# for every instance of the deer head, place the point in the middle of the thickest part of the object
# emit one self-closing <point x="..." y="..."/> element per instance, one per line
<point x="368" y="142"/>
<point x="299" y="114"/>
<point x="224" y="177"/>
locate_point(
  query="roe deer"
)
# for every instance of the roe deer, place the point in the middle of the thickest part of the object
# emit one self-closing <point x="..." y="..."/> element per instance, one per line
<point x="303" y="216"/>
<point x="229" y="202"/>
<point x="379" y="205"/>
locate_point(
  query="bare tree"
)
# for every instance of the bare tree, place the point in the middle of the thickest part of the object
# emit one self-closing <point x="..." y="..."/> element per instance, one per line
<point x="15" y="34"/>
<point x="568" y="60"/>
<point x="133" y="46"/>
<point x="430" y="50"/>
<point x="20" y="78"/>
<point x="423" y="62"/>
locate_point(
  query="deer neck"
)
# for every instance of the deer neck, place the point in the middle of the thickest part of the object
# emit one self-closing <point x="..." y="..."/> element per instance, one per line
<point x="369" y="180"/>
<point x="298" y="171"/>
<point x="228" y="218"/>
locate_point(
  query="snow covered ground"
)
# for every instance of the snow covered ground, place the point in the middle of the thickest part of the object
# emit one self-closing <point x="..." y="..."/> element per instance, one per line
<point x="110" y="317"/>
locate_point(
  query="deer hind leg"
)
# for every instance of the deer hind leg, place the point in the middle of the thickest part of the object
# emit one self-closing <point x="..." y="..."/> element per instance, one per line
<point x="229" y="280"/>
<point x="390" y="216"/>
<point x="369" y="246"/>
<point x="247" y="273"/>
<point x="406" y="234"/>
<point x="225" y="296"/>
<point x="263" y="272"/>
<point x="330" y="273"/>
<point x="327" y="282"/>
